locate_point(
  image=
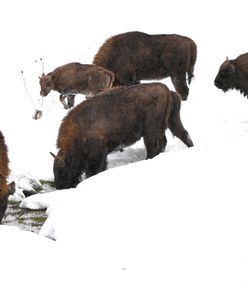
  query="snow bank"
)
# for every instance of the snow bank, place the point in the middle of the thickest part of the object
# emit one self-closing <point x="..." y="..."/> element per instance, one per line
<point x="172" y="227"/>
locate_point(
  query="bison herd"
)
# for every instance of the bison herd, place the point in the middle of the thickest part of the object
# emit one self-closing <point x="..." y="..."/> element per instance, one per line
<point x="119" y="109"/>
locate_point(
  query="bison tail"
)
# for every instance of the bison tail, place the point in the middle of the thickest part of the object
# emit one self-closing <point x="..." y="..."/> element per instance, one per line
<point x="193" y="54"/>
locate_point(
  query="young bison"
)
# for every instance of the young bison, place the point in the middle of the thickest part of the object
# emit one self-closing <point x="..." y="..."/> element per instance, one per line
<point x="5" y="189"/>
<point x="233" y="74"/>
<point x="136" y="56"/>
<point x="119" y="117"/>
<point x="75" y="78"/>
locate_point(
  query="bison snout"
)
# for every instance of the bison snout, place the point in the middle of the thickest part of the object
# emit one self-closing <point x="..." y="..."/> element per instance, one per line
<point x="43" y="94"/>
<point x="218" y="84"/>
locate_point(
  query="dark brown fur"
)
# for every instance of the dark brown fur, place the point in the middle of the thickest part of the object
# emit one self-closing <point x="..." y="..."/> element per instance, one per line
<point x="136" y="56"/>
<point x="76" y="78"/>
<point x="119" y="117"/>
<point x="233" y="74"/>
<point x="5" y="189"/>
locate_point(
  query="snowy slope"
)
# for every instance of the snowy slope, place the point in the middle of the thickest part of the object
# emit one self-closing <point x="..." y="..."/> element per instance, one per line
<point x="174" y="227"/>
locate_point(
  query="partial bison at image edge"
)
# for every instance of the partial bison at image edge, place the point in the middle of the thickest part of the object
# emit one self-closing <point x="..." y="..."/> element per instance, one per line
<point x="5" y="188"/>
<point x="135" y="56"/>
<point x="233" y="74"/>
<point x="113" y="119"/>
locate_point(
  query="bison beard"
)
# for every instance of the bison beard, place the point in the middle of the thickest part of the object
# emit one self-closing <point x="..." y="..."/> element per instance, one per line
<point x="136" y="56"/>
<point x="113" y="119"/>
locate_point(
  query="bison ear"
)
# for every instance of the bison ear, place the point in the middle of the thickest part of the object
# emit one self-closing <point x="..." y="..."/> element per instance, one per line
<point x="230" y="67"/>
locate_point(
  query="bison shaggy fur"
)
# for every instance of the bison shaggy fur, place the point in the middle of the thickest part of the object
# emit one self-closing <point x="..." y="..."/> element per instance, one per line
<point x="5" y="188"/>
<point x="233" y="74"/>
<point x="136" y="56"/>
<point x="76" y="78"/>
<point x="113" y="119"/>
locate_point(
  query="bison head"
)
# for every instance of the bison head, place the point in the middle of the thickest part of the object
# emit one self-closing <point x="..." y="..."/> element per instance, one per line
<point x="67" y="173"/>
<point x="45" y="84"/>
<point x="225" y="78"/>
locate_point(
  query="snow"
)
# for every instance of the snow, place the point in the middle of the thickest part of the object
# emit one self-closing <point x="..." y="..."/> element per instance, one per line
<point x="174" y="227"/>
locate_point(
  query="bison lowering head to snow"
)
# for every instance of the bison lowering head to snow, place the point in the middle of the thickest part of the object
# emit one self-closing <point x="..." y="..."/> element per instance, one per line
<point x="135" y="56"/>
<point x="5" y="189"/>
<point x="76" y="78"/>
<point x="233" y="74"/>
<point x="115" y="118"/>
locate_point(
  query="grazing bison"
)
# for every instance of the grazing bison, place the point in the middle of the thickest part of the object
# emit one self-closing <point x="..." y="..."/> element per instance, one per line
<point x="76" y="78"/>
<point x="115" y="118"/>
<point x="5" y="189"/>
<point x="135" y="56"/>
<point x="233" y="74"/>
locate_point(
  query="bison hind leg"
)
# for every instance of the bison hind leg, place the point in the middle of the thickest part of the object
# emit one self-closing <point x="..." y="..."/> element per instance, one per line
<point x="180" y="86"/>
<point x="175" y="124"/>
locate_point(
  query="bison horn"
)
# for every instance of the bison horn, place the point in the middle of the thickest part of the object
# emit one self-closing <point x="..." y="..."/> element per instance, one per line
<point x="53" y="155"/>
<point x="59" y="159"/>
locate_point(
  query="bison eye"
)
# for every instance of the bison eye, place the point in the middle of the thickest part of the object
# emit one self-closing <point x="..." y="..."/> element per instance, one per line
<point x="224" y="75"/>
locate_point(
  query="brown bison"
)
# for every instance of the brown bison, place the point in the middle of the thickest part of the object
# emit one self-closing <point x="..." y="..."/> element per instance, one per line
<point x="118" y="117"/>
<point x="135" y="56"/>
<point x="5" y="188"/>
<point x="233" y="74"/>
<point x="76" y="78"/>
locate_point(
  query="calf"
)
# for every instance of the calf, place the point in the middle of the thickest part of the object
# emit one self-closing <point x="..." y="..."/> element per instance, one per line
<point x="113" y="119"/>
<point x="76" y="78"/>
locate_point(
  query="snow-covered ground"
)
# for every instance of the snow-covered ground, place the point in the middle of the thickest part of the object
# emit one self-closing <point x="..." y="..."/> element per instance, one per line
<point x="174" y="227"/>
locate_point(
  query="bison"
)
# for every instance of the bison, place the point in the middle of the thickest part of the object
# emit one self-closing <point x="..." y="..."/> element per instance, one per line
<point x="5" y="188"/>
<point x="76" y="78"/>
<point x="233" y="74"/>
<point x="113" y="119"/>
<point x="136" y="56"/>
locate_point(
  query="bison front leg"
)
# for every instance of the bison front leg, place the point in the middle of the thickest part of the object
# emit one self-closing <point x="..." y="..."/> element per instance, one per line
<point x="95" y="162"/>
<point x="62" y="100"/>
<point x="94" y="167"/>
<point x="70" y="100"/>
<point x="154" y="145"/>
<point x="180" y="85"/>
